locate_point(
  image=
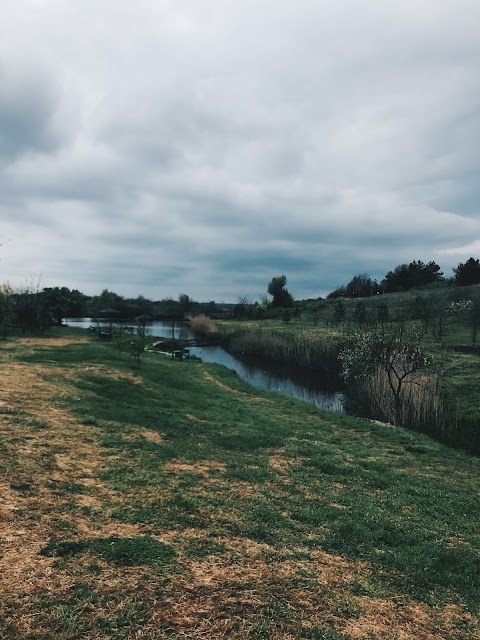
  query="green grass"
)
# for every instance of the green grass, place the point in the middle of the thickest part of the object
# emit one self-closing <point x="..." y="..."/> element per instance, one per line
<point x="119" y="551"/>
<point x="238" y="478"/>
<point x="392" y="517"/>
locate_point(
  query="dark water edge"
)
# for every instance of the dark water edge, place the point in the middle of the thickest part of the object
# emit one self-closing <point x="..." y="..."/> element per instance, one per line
<point x="297" y="382"/>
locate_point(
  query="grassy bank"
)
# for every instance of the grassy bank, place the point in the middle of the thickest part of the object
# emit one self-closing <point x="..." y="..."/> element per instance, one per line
<point x="444" y="406"/>
<point x="175" y="501"/>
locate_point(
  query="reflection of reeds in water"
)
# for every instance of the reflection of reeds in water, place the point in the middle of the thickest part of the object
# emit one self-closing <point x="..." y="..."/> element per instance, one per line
<point x="420" y="403"/>
<point x="319" y="354"/>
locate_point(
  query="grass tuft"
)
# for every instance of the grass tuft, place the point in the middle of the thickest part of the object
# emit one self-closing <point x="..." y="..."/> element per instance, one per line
<point x="119" y="551"/>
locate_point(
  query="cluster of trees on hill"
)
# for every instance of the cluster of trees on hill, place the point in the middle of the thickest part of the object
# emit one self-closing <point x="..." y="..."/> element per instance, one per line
<point x="468" y="273"/>
<point x="405" y="277"/>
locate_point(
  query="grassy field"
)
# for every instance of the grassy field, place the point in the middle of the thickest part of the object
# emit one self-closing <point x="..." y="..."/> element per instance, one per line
<point x="174" y="501"/>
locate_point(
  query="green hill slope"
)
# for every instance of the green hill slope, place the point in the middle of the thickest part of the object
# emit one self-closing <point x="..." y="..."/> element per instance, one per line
<point x="175" y="501"/>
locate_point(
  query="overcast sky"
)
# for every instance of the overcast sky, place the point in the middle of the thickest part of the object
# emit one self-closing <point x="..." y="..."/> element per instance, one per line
<point x="160" y="147"/>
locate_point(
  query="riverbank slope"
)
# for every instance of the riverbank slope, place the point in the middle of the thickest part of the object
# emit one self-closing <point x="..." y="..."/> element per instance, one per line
<point x="175" y="501"/>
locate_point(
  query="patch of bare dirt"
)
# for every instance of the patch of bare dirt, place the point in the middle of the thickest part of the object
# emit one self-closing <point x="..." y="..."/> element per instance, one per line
<point x="280" y="464"/>
<point x="152" y="436"/>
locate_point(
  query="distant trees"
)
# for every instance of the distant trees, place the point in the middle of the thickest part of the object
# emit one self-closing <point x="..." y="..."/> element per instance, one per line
<point x="467" y="273"/>
<point x="281" y="296"/>
<point x="7" y="307"/>
<point x="360" y="286"/>
<point x="403" y="278"/>
<point x="244" y="308"/>
<point x="185" y="303"/>
<point x="410" y="276"/>
<point x="62" y="303"/>
<point x="31" y="312"/>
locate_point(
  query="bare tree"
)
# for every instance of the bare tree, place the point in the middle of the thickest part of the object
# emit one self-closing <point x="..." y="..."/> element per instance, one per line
<point x="397" y="352"/>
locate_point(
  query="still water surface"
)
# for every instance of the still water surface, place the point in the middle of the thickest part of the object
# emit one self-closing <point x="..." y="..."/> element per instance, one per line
<point x="292" y="381"/>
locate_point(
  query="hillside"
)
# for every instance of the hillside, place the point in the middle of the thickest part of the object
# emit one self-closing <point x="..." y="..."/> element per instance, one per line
<point x="174" y="501"/>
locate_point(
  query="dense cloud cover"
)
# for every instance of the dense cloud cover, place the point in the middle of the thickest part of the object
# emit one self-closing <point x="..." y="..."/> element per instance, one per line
<point x="164" y="146"/>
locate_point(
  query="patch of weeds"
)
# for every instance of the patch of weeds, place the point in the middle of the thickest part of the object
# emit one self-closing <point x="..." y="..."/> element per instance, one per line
<point x="188" y="480"/>
<point x="328" y="465"/>
<point x="4" y="411"/>
<point x="437" y="565"/>
<point x="178" y="512"/>
<point x="248" y="441"/>
<point x="64" y="525"/>
<point x="29" y="421"/>
<point x="377" y="475"/>
<point x="90" y="421"/>
<point x="261" y="630"/>
<point x="59" y="488"/>
<point x="67" y="618"/>
<point x="311" y="512"/>
<point x="348" y="608"/>
<point x="23" y="487"/>
<point x="203" y="548"/>
<point x="182" y="511"/>
<point x="119" y="551"/>
<point x="277" y="609"/>
<point x="263" y="522"/>
<point x="372" y="589"/>
<point x="249" y="473"/>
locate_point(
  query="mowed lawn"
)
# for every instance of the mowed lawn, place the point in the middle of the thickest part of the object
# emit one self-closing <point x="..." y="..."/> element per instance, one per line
<point x="174" y="501"/>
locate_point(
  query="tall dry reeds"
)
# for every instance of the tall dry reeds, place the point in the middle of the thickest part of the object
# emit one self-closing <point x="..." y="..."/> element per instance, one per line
<point x="422" y="406"/>
<point x="320" y="354"/>
<point x="202" y="325"/>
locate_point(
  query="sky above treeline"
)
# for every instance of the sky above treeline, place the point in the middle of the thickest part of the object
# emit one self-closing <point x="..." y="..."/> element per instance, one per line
<point x="160" y="147"/>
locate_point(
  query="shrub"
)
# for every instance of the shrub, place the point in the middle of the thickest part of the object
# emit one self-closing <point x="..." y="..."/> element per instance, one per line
<point x="202" y="324"/>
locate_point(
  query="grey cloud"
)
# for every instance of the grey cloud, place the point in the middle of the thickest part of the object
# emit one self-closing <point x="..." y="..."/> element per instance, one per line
<point x="206" y="147"/>
<point x="27" y="106"/>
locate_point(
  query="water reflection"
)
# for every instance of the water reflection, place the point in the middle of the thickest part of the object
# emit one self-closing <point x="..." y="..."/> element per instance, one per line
<point x="159" y="328"/>
<point x="292" y="381"/>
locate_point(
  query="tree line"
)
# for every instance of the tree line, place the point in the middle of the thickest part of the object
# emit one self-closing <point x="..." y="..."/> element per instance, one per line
<point x="31" y="308"/>
<point x="405" y="277"/>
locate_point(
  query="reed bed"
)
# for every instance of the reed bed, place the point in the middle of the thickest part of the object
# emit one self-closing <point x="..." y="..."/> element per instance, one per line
<point x="320" y="354"/>
<point x="203" y="325"/>
<point x="423" y="405"/>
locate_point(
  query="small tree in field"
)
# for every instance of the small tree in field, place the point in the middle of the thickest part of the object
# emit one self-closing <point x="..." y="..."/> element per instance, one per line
<point x="7" y="307"/>
<point x="468" y="312"/>
<point x="339" y="312"/>
<point x="281" y="296"/>
<point x="397" y="353"/>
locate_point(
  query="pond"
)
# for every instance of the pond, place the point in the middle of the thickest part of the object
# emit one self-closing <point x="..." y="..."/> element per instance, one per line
<point x="299" y="383"/>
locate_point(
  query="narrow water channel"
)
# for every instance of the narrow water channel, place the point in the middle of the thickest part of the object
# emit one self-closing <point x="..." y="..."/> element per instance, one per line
<point x="296" y="382"/>
<point x="291" y="381"/>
